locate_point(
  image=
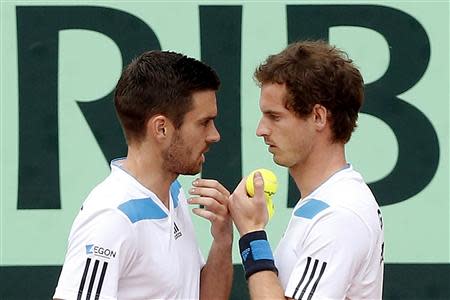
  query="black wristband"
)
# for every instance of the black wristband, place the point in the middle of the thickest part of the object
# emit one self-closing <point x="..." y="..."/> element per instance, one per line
<point x="256" y="253"/>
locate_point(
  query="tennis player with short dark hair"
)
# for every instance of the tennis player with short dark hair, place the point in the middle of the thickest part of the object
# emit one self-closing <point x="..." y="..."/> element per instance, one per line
<point x="133" y="237"/>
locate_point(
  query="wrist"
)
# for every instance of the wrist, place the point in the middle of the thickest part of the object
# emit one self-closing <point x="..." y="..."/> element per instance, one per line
<point x="224" y="242"/>
<point x="256" y="253"/>
<point x="245" y="231"/>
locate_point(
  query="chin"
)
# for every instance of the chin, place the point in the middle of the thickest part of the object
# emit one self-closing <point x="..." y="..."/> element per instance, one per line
<point x="190" y="173"/>
<point x="280" y="162"/>
<point x="192" y="170"/>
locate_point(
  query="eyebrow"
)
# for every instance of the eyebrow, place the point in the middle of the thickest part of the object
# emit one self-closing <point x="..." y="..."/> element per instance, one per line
<point x="207" y="118"/>
<point x="271" y="112"/>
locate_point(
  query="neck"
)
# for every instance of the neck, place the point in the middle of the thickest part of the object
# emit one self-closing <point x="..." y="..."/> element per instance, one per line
<point x="146" y="166"/>
<point x="318" y="167"/>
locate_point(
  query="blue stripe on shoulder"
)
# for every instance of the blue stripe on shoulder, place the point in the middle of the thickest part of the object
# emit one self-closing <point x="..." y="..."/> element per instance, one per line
<point x="175" y="191"/>
<point x="310" y="209"/>
<point x="142" y="209"/>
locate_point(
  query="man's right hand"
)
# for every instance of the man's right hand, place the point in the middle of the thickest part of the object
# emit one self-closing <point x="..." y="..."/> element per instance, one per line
<point x="249" y="214"/>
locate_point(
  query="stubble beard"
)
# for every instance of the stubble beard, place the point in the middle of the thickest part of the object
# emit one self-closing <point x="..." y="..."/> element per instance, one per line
<point x="286" y="161"/>
<point x="280" y="162"/>
<point x="177" y="158"/>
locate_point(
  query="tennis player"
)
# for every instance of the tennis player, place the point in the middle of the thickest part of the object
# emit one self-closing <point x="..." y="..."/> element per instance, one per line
<point x="133" y="237"/>
<point x="333" y="245"/>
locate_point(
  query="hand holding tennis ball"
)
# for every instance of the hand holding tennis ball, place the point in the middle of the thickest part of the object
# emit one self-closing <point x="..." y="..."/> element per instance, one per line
<point x="270" y="187"/>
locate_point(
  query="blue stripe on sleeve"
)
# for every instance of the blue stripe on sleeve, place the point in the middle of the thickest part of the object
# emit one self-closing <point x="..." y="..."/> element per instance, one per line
<point x="142" y="209"/>
<point x="311" y="209"/>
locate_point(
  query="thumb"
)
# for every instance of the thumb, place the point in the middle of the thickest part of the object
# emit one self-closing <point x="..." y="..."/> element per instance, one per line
<point x="258" y="183"/>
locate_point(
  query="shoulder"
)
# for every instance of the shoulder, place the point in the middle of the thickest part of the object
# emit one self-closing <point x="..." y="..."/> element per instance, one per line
<point x="318" y="210"/>
<point x="350" y="194"/>
<point x="333" y="209"/>
<point x="107" y="194"/>
<point x="339" y="231"/>
<point x="327" y="220"/>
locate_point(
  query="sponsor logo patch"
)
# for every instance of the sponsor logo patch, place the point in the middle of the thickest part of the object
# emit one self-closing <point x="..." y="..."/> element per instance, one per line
<point x="100" y="251"/>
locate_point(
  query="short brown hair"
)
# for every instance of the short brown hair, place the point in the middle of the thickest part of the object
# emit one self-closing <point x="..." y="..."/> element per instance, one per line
<point x="317" y="73"/>
<point x="159" y="82"/>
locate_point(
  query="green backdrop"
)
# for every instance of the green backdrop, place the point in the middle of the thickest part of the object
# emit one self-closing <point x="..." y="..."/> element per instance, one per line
<point x="60" y="61"/>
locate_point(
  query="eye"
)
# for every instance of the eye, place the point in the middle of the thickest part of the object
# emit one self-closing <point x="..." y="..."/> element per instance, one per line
<point x="274" y="117"/>
<point x="205" y="123"/>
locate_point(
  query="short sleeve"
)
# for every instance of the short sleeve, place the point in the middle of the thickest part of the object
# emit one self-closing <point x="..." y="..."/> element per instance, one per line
<point x="330" y="256"/>
<point x="101" y="248"/>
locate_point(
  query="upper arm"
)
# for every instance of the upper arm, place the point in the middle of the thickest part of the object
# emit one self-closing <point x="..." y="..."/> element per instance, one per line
<point x="100" y="250"/>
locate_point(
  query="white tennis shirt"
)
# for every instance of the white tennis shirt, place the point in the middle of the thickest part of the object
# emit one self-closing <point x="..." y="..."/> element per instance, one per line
<point x="333" y="245"/>
<point x="125" y="244"/>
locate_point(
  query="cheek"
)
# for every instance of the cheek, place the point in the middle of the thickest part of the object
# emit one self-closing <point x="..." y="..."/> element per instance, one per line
<point x="190" y="137"/>
<point x="294" y="141"/>
<point x="297" y="138"/>
<point x="288" y="132"/>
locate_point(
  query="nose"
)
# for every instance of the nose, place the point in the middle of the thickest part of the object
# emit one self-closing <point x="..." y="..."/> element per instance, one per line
<point x="262" y="129"/>
<point x="214" y="135"/>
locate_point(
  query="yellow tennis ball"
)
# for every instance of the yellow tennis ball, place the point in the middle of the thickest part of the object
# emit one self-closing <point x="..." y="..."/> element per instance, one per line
<point x="270" y="187"/>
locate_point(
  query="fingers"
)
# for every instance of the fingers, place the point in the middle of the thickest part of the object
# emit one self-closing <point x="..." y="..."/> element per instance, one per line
<point x="212" y="195"/>
<point x="239" y="197"/>
<point x="240" y="189"/>
<point x="258" y="183"/>
<point x="249" y="213"/>
<point x="210" y="204"/>
<point x="210" y="184"/>
<point x="205" y="214"/>
<point x="241" y="192"/>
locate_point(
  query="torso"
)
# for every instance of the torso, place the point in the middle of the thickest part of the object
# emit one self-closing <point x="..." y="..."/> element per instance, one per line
<point x="332" y="246"/>
<point x="156" y="254"/>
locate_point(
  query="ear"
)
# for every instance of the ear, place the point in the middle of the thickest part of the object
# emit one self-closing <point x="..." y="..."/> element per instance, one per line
<point x="320" y="116"/>
<point x="159" y="127"/>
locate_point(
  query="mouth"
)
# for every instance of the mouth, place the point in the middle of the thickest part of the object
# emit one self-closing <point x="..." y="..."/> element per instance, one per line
<point x="271" y="145"/>
<point x="202" y="156"/>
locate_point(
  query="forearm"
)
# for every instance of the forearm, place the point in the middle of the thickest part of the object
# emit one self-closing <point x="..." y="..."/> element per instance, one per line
<point x="217" y="274"/>
<point x="265" y="285"/>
